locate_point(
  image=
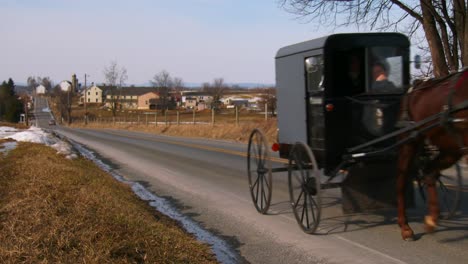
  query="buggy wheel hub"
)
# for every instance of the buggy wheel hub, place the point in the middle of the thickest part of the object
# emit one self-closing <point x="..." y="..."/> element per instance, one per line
<point x="262" y="171"/>
<point x="310" y="186"/>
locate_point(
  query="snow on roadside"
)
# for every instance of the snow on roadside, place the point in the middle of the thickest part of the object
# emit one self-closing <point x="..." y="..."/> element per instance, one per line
<point x="7" y="146"/>
<point x="5" y="131"/>
<point x="37" y="135"/>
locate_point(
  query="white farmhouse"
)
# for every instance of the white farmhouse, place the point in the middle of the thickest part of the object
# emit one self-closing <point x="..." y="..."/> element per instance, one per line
<point x="40" y="89"/>
<point x="65" y="86"/>
<point x="94" y="95"/>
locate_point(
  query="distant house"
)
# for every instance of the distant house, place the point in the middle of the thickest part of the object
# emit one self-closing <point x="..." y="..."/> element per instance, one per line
<point x="40" y="89"/>
<point x="148" y="100"/>
<point x="65" y="86"/>
<point x="93" y="95"/>
<point x="190" y="102"/>
<point x="128" y="97"/>
<point x="236" y="102"/>
<point x="192" y="98"/>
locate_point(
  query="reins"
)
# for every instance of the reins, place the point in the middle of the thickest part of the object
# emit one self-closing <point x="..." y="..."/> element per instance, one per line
<point x="414" y="129"/>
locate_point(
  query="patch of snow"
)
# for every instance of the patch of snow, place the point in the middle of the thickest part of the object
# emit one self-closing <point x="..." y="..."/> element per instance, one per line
<point x="5" y="131"/>
<point x="222" y="250"/>
<point x="65" y="149"/>
<point x="47" y="110"/>
<point x="37" y="135"/>
<point x="7" y="147"/>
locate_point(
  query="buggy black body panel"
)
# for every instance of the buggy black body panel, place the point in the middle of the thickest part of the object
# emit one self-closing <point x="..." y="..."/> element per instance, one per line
<point x="325" y="107"/>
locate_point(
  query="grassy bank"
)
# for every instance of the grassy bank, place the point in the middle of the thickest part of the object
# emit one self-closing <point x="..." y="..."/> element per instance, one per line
<point x="231" y="132"/>
<point x="225" y="126"/>
<point x="56" y="210"/>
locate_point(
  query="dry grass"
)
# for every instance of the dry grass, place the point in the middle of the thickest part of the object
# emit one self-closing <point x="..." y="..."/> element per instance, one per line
<point x="225" y="123"/>
<point x="15" y="125"/>
<point x="54" y="210"/>
<point x="229" y="132"/>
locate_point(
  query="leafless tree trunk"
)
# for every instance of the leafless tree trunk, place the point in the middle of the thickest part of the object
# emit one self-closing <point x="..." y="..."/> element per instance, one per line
<point x="445" y="23"/>
<point x="268" y="98"/>
<point x="163" y="83"/>
<point x="46" y="82"/>
<point x="216" y="90"/>
<point x="63" y="101"/>
<point x="33" y="82"/>
<point x="114" y="76"/>
<point x="178" y="84"/>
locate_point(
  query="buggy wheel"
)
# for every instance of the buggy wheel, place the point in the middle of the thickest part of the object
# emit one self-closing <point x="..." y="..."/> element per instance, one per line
<point x="304" y="187"/>
<point x="449" y="190"/>
<point x="259" y="171"/>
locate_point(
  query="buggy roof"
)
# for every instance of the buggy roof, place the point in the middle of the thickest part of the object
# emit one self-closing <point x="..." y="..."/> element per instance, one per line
<point x="343" y="40"/>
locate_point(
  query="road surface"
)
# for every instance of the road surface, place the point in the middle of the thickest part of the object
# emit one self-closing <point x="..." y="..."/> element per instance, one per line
<point x="207" y="181"/>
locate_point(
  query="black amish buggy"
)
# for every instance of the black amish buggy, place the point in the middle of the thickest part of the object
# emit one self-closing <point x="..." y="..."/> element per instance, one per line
<point x="338" y="99"/>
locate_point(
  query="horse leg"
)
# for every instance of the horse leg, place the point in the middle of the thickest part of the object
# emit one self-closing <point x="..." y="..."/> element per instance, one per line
<point x="405" y="156"/>
<point x="443" y="161"/>
<point x="430" y="221"/>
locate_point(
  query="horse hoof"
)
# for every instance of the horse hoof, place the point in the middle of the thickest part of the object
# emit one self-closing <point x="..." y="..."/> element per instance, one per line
<point x="429" y="224"/>
<point x="407" y="235"/>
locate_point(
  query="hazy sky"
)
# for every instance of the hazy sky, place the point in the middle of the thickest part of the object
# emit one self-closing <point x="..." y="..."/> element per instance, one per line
<point x="196" y="40"/>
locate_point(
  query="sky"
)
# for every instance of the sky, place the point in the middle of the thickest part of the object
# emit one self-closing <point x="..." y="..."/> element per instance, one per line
<point x="196" y="40"/>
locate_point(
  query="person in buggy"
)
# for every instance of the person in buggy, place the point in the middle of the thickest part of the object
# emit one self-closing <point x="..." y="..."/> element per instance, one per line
<point x="380" y="78"/>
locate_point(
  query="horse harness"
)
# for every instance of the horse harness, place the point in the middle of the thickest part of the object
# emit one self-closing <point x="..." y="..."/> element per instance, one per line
<point x="446" y="119"/>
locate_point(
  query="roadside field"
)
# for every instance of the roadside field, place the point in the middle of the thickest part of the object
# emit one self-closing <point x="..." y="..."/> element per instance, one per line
<point x="184" y="124"/>
<point x="57" y="210"/>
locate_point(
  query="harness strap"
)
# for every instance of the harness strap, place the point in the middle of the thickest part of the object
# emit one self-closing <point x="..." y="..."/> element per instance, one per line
<point x="446" y="120"/>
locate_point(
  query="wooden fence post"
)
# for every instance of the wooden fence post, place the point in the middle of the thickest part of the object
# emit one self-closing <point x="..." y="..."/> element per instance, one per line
<point x="194" y="115"/>
<point x="237" y="116"/>
<point x="212" y="117"/>
<point x="266" y="112"/>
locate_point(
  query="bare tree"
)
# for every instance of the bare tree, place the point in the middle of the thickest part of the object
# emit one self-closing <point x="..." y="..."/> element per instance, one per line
<point x="444" y="23"/>
<point x="163" y="83"/>
<point x="216" y="90"/>
<point x="46" y="82"/>
<point x="122" y="79"/>
<point x="63" y="102"/>
<point x="268" y="97"/>
<point x="32" y="83"/>
<point x="178" y="84"/>
<point x="115" y="77"/>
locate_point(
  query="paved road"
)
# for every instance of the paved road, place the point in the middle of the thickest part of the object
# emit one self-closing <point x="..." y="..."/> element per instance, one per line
<point x="207" y="180"/>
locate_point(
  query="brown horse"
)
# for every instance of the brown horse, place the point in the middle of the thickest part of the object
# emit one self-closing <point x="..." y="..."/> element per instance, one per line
<point x="449" y="136"/>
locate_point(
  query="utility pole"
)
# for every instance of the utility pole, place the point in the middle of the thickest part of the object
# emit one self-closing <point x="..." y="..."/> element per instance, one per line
<point x="85" y="101"/>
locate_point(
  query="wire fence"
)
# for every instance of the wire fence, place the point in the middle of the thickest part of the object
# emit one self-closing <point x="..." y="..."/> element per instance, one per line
<point x="177" y="117"/>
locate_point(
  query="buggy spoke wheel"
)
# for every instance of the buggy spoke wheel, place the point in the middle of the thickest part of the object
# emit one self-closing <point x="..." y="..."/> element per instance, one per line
<point x="259" y="171"/>
<point x="304" y="187"/>
<point x="449" y="189"/>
